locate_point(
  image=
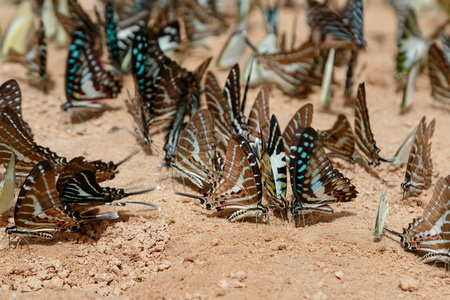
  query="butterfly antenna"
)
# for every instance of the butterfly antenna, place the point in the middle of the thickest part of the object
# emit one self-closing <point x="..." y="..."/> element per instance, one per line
<point x="249" y="43"/>
<point x="142" y="191"/>
<point x="392" y="232"/>
<point x="187" y="195"/>
<point x="156" y="207"/>
<point x="128" y="157"/>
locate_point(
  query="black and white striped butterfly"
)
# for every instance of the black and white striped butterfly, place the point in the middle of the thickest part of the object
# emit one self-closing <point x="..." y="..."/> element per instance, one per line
<point x="430" y="233"/>
<point x="420" y="166"/>
<point x="273" y="166"/>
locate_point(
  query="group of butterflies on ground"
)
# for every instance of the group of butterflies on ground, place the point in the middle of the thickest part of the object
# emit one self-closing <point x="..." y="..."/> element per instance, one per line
<point x="256" y="152"/>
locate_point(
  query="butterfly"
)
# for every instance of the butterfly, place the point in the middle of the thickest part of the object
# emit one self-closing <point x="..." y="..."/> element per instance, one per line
<point x="339" y="139"/>
<point x="199" y="21"/>
<point x="196" y="157"/>
<point x="383" y="210"/>
<point x="147" y="64"/>
<point x="439" y="72"/>
<point x="290" y="70"/>
<point x="177" y="95"/>
<point x="240" y="186"/>
<point x="7" y="186"/>
<point x="445" y="41"/>
<point x="111" y="37"/>
<point x="14" y="138"/>
<point x="77" y="185"/>
<point x="86" y="81"/>
<point x="141" y="117"/>
<point x="227" y="110"/>
<point x="347" y="26"/>
<point x="365" y="144"/>
<point x="273" y="165"/>
<point x="314" y="181"/>
<point x="39" y="211"/>
<point x="10" y="95"/>
<point x="420" y="166"/>
<point x="303" y="117"/>
<point x="430" y="233"/>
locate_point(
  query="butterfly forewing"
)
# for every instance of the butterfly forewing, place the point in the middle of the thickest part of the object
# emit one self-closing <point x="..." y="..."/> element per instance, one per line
<point x="419" y="168"/>
<point x="303" y="117"/>
<point x="340" y="139"/>
<point x="383" y="210"/>
<point x="439" y="72"/>
<point x="218" y="107"/>
<point x="365" y="144"/>
<point x="259" y="114"/>
<point x="196" y="151"/>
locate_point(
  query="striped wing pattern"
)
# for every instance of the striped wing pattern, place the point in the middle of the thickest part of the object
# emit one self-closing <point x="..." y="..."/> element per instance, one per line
<point x="86" y="81"/>
<point x="232" y="93"/>
<point x="141" y="117"/>
<point x="352" y="15"/>
<point x="196" y="151"/>
<point x="365" y="144"/>
<point x="320" y="16"/>
<point x="111" y="36"/>
<point x="303" y="117"/>
<point x="10" y="95"/>
<point x="240" y="185"/>
<point x="218" y="107"/>
<point x="259" y="114"/>
<point x="431" y="232"/>
<point x="199" y="22"/>
<point x="420" y="166"/>
<point x="445" y="41"/>
<point x="439" y="72"/>
<point x="340" y="139"/>
<point x="38" y="207"/>
<point x="15" y="139"/>
<point x="147" y="61"/>
<point x="292" y="67"/>
<point x="273" y="166"/>
<point x="314" y="181"/>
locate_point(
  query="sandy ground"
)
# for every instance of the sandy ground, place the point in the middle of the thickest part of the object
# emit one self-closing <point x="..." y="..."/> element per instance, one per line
<point x="187" y="252"/>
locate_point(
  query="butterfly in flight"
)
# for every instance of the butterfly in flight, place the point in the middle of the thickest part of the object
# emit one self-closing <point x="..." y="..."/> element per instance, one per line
<point x="420" y="166"/>
<point x="314" y="181"/>
<point x="430" y="233"/>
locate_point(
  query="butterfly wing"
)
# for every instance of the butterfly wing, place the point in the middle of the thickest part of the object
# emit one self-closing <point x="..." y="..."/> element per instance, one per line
<point x="439" y="72"/>
<point x="340" y="139"/>
<point x="365" y="144"/>
<point x="259" y="114"/>
<point x="383" y="210"/>
<point x="303" y="117"/>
